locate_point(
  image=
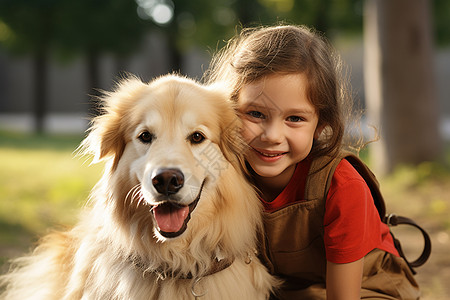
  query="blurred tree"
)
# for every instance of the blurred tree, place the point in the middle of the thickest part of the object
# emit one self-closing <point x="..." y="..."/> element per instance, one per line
<point x="97" y="27"/>
<point x="185" y="23"/>
<point x="93" y="27"/>
<point x="31" y="25"/>
<point x="441" y="13"/>
<point x="328" y="16"/>
<point x="400" y="89"/>
<point x="211" y="23"/>
<point x="70" y="27"/>
<point x="200" y="22"/>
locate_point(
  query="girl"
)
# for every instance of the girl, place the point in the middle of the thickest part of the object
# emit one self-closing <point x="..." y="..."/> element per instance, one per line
<point x="285" y="82"/>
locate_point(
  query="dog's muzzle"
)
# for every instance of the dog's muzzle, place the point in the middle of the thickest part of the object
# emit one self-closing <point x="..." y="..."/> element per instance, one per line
<point x="171" y="214"/>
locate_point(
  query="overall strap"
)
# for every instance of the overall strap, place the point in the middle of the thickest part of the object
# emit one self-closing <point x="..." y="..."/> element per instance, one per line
<point x="319" y="177"/>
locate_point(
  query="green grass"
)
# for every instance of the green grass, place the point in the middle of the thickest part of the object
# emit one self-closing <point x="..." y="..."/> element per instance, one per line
<point x="420" y="191"/>
<point x="16" y="140"/>
<point x="42" y="185"/>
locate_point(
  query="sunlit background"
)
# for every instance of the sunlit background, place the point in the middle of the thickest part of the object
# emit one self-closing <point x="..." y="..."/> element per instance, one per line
<point x="56" y="56"/>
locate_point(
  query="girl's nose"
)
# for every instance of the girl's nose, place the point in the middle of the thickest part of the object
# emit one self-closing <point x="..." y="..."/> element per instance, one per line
<point x="272" y="132"/>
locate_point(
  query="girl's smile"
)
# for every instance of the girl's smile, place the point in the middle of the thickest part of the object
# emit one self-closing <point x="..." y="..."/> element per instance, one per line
<point x="269" y="156"/>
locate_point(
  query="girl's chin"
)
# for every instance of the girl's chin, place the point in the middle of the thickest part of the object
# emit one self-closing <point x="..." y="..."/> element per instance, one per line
<point x="273" y="172"/>
<point x="266" y="171"/>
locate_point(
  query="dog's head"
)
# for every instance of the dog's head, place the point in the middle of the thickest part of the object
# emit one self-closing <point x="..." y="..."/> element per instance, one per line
<point x="168" y="143"/>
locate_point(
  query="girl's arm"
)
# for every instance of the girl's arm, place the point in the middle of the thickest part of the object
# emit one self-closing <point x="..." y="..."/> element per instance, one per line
<point x="344" y="280"/>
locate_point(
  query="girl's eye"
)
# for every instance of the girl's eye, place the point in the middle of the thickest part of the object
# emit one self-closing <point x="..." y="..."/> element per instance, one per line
<point x="146" y="137"/>
<point x="256" y="114"/>
<point x="196" y="138"/>
<point x="294" y="119"/>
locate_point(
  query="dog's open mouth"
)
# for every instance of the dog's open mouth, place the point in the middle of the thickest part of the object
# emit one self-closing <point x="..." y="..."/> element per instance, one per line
<point x="172" y="218"/>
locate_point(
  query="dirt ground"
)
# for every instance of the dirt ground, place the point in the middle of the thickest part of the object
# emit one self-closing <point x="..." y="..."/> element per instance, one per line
<point x="427" y="202"/>
<point x="434" y="276"/>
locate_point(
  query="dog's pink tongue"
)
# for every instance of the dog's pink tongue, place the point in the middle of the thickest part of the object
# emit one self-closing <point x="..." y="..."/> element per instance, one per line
<point x="170" y="218"/>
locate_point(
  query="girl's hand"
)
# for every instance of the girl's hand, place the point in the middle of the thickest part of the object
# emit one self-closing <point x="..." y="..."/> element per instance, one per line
<point x="344" y="280"/>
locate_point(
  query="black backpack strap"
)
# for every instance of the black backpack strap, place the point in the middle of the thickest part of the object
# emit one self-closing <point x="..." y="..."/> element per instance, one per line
<point x="394" y="220"/>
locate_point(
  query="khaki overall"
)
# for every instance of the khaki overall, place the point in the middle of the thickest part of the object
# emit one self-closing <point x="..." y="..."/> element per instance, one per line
<point x="299" y="257"/>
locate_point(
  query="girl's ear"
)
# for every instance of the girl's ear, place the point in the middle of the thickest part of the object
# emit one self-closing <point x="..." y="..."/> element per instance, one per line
<point x="319" y="129"/>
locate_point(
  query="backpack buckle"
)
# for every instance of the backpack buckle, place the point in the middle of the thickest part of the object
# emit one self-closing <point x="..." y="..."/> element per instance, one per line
<point x="391" y="220"/>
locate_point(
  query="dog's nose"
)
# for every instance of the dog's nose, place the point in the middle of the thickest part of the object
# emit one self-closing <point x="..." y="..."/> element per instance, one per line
<point x="168" y="181"/>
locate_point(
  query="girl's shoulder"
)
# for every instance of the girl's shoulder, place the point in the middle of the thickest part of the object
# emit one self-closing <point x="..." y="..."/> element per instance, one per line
<point x="345" y="172"/>
<point x="348" y="184"/>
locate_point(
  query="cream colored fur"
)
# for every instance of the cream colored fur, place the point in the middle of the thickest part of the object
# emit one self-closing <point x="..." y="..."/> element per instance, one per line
<point x="114" y="250"/>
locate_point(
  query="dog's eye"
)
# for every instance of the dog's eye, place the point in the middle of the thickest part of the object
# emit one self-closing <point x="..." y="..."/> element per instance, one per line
<point x="146" y="137"/>
<point x="196" y="137"/>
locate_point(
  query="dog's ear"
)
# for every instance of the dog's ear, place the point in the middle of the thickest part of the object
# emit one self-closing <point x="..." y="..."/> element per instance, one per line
<point x="105" y="139"/>
<point x="231" y="142"/>
<point x="107" y="135"/>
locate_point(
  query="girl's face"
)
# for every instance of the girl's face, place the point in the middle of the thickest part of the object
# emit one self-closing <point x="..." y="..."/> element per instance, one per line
<point x="279" y="125"/>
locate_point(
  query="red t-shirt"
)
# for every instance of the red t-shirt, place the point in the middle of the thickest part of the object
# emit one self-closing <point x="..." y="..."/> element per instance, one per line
<point x="352" y="224"/>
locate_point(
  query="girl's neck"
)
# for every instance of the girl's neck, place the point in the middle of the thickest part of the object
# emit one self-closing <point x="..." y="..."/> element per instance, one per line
<point x="271" y="187"/>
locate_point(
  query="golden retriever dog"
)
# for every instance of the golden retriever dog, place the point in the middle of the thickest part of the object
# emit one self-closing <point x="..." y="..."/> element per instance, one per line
<point x="172" y="217"/>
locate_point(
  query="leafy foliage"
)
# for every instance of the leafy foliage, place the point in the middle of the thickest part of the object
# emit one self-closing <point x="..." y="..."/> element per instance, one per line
<point x="441" y="13"/>
<point x="72" y="26"/>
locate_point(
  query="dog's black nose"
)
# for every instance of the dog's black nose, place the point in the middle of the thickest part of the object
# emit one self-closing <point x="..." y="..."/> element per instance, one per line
<point x="168" y="181"/>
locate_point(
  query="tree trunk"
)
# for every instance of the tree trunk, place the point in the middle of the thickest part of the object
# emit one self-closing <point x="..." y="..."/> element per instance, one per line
<point x="399" y="83"/>
<point x="93" y="82"/>
<point x="175" y="55"/>
<point x="40" y="89"/>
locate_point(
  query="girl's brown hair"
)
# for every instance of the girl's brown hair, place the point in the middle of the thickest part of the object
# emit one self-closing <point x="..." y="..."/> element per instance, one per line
<point x="286" y="49"/>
